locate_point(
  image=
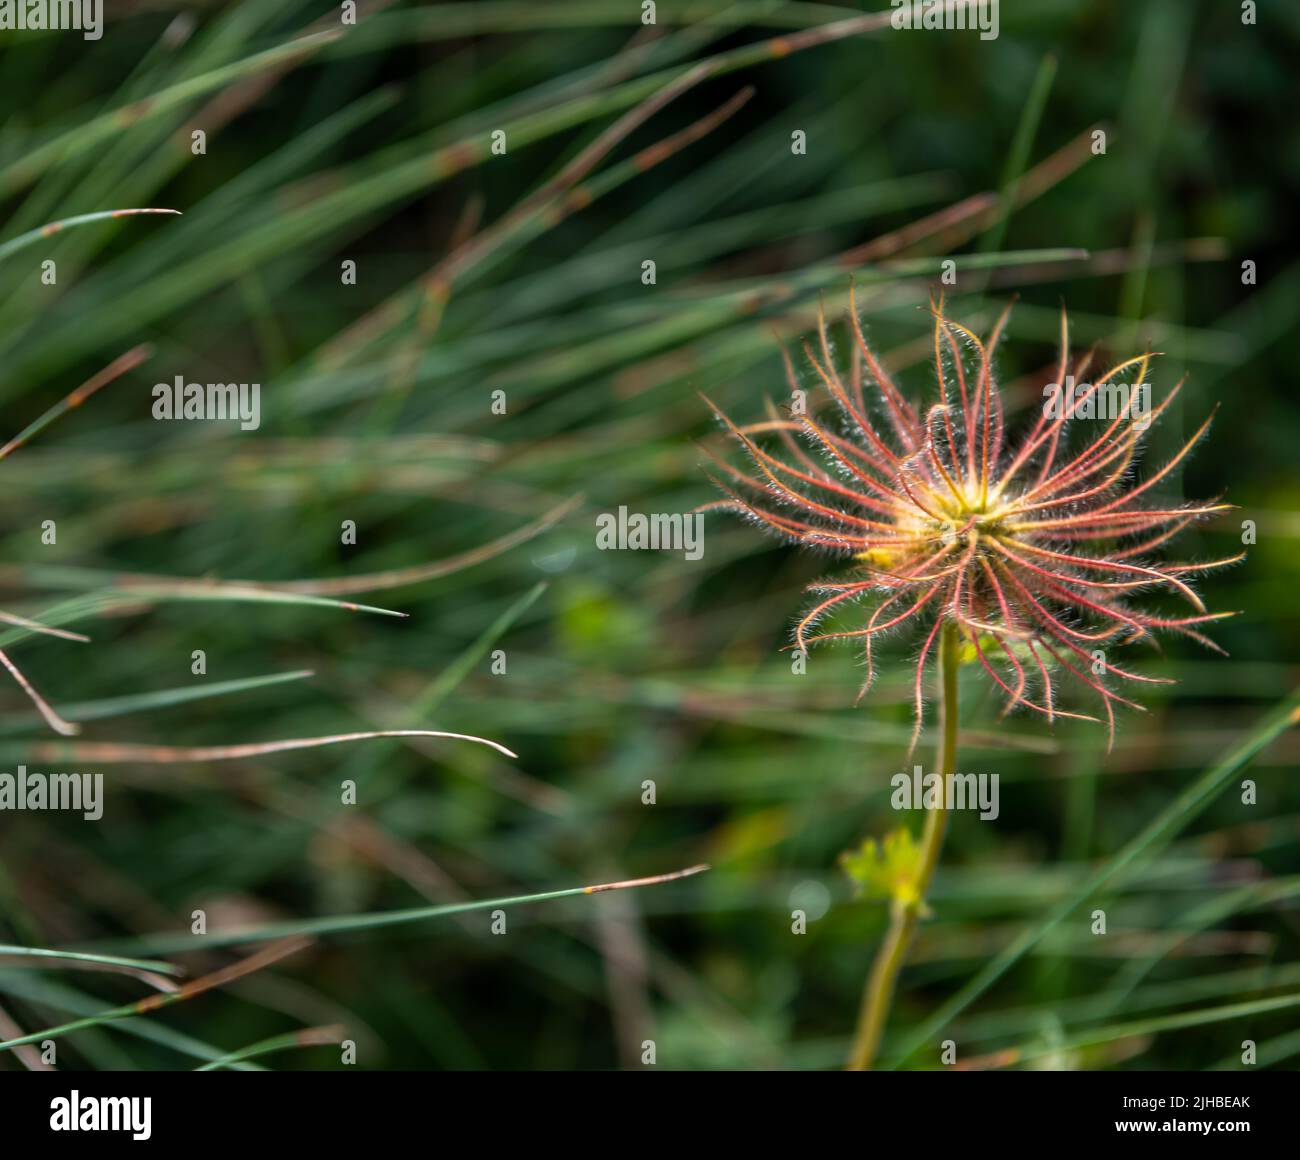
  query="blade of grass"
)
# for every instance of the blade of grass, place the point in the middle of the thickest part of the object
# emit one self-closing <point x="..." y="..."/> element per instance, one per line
<point x="147" y="591"/>
<point x="118" y="367"/>
<point x="308" y="1037"/>
<point x="13" y="245"/>
<point x="113" y="753"/>
<point x="459" y="669"/>
<point x="163" y="698"/>
<point x="153" y="966"/>
<point x="1018" y="157"/>
<point x="347" y="923"/>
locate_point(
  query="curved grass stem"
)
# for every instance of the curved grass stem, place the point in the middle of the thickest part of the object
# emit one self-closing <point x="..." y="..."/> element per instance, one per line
<point x="904" y="916"/>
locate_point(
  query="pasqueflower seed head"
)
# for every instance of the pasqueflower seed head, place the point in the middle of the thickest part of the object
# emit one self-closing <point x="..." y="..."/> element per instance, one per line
<point x="1033" y="550"/>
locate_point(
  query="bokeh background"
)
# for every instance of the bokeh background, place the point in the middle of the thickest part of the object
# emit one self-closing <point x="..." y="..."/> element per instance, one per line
<point x="522" y="273"/>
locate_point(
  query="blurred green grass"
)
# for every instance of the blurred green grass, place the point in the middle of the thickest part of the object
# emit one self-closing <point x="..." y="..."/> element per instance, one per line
<point x="372" y="146"/>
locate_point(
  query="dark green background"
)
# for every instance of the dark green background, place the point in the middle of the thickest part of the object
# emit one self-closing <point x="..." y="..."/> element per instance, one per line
<point x="630" y="666"/>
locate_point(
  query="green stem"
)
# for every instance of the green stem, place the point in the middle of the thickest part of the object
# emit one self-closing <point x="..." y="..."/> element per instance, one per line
<point x="879" y="991"/>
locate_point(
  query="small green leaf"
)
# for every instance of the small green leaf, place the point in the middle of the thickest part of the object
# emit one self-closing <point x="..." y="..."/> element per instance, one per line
<point x="888" y="870"/>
